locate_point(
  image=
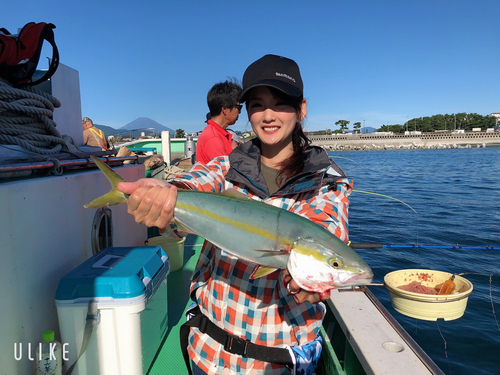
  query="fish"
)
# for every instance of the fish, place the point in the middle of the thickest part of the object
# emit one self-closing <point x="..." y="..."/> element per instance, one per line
<point x="270" y="237"/>
<point x="112" y="197"/>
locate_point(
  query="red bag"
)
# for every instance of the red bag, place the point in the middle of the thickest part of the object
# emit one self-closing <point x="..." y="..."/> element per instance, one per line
<point x="19" y="54"/>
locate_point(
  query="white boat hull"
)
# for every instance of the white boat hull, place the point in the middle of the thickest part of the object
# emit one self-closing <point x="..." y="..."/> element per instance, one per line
<point x="44" y="233"/>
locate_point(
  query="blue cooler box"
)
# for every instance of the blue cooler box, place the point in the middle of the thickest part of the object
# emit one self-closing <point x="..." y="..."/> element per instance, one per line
<point x="128" y="285"/>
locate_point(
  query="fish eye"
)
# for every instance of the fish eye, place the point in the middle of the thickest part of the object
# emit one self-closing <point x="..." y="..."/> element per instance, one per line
<point x="335" y="263"/>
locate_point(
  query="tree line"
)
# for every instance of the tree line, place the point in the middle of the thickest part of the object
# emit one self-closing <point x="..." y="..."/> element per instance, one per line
<point x="455" y="121"/>
<point x="428" y="124"/>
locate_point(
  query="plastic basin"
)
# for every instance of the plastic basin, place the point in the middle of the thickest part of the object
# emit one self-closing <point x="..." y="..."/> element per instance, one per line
<point x="426" y="306"/>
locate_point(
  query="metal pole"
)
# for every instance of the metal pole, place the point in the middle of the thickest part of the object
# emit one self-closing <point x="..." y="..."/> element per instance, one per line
<point x="165" y="146"/>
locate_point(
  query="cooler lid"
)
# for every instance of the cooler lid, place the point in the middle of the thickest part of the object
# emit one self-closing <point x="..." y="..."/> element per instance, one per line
<point x="116" y="272"/>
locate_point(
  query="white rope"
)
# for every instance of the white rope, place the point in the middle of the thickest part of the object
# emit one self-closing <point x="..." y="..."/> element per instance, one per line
<point x="26" y="119"/>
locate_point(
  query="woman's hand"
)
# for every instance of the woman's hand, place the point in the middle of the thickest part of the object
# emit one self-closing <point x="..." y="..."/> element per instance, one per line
<point x="151" y="201"/>
<point x="301" y="295"/>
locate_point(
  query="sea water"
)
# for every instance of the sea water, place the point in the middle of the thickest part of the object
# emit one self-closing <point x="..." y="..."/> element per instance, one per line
<point x="456" y="194"/>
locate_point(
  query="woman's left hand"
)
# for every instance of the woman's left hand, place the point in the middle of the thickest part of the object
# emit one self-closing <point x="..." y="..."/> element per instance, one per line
<point x="300" y="295"/>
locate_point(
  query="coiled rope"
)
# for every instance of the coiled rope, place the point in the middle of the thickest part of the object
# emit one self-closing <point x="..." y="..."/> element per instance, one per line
<point x="26" y="119"/>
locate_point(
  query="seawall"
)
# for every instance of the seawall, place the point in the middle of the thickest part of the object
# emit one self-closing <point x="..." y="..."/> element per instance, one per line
<point x="351" y="142"/>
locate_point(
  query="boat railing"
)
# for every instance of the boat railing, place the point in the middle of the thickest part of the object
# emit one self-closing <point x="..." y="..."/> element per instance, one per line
<point x="23" y="169"/>
<point x="379" y="342"/>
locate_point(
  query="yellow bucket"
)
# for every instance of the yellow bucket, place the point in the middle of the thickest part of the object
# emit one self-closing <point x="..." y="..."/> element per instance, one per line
<point x="174" y="247"/>
<point x="427" y="306"/>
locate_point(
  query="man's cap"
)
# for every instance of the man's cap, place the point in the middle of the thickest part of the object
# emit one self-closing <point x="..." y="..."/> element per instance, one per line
<point x="273" y="71"/>
<point x="86" y="119"/>
<point x="209" y="116"/>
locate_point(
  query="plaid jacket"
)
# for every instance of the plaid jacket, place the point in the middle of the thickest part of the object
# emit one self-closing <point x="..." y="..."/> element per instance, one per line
<point x="260" y="309"/>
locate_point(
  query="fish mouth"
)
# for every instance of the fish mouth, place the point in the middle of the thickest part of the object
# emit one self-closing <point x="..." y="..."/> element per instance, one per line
<point x="363" y="278"/>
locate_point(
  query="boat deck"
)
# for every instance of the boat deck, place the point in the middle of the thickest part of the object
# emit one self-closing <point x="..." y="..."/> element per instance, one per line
<point x="169" y="359"/>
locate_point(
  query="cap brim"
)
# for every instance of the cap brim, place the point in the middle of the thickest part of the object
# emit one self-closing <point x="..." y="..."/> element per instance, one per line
<point x="279" y="85"/>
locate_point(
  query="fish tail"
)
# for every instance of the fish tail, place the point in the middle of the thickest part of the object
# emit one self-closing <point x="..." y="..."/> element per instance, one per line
<point x="114" y="196"/>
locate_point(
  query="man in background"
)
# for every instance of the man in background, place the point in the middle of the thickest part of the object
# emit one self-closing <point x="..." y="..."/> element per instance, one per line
<point x="215" y="140"/>
<point x="93" y="136"/>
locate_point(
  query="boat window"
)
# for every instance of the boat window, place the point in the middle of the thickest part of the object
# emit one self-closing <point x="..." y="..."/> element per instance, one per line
<point x="102" y="230"/>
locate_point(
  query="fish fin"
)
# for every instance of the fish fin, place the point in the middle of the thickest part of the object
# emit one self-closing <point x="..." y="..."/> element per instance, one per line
<point x="114" y="196"/>
<point x="261" y="271"/>
<point x="113" y="177"/>
<point x="276" y="251"/>
<point x="111" y="198"/>
<point x="232" y="193"/>
<point x="182" y="227"/>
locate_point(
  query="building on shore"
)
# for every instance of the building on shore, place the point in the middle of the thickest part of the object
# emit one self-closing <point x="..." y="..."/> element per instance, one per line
<point x="496" y="116"/>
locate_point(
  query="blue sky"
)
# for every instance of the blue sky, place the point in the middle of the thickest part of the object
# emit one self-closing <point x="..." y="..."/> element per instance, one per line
<point x="377" y="62"/>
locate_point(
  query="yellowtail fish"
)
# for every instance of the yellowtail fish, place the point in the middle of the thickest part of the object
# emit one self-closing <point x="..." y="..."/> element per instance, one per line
<point x="270" y="237"/>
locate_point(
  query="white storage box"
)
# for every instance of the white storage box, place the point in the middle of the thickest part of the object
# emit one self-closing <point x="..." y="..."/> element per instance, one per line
<point x="129" y="288"/>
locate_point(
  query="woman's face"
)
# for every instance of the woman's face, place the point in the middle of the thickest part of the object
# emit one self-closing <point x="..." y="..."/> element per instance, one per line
<point x="272" y="120"/>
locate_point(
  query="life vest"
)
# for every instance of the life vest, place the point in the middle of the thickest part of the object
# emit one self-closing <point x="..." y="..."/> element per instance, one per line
<point x="100" y="135"/>
<point x="19" y="54"/>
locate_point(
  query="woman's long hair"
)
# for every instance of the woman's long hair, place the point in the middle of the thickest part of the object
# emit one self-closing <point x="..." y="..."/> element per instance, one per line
<point x="294" y="165"/>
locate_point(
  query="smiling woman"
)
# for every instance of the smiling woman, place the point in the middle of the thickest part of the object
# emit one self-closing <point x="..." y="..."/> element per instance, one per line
<point x="272" y="321"/>
<point x="276" y="106"/>
<point x="274" y="119"/>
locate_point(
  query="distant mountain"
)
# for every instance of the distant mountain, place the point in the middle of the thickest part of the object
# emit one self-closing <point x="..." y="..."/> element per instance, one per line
<point x="146" y="125"/>
<point x="108" y="130"/>
<point x="135" y="128"/>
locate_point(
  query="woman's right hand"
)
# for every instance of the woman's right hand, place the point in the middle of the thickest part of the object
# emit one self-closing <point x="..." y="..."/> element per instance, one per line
<point x="151" y="201"/>
<point x="301" y="295"/>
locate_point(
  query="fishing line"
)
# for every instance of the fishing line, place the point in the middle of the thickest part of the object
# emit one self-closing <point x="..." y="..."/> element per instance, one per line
<point x="377" y="194"/>
<point x="369" y="192"/>
<point x="491" y="293"/>
<point x="417" y="246"/>
<point x="386" y="196"/>
<point x="397" y="200"/>
<point x="445" y="346"/>
<point x="342" y="157"/>
<point x="393" y="254"/>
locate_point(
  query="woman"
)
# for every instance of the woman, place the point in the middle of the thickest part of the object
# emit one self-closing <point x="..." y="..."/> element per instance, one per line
<point x="266" y="325"/>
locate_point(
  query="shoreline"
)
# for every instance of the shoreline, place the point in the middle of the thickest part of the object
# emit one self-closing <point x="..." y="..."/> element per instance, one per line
<point x="368" y="142"/>
<point x="373" y="147"/>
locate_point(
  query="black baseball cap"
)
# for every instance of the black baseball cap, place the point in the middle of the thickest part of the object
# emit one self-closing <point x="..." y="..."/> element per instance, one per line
<point x="273" y="71"/>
